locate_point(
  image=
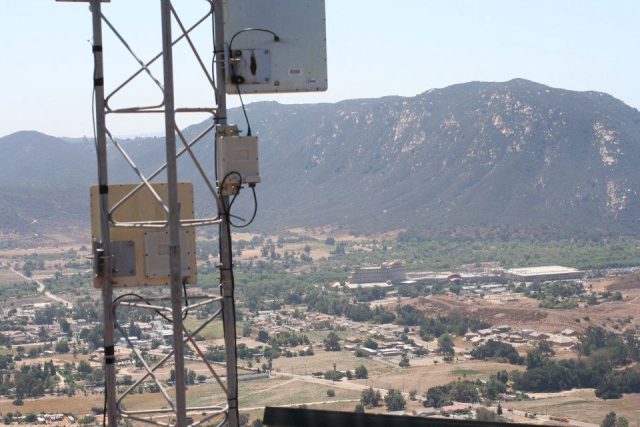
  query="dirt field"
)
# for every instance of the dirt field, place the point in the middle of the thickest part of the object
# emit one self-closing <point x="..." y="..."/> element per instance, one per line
<point x="78" y="404"/>
<point x="420" y="378"/>
<point x="522" y="312"/>
<point x="628" y="282"/>
<point x="582" y="405"/>
<point x="323" y="361"/>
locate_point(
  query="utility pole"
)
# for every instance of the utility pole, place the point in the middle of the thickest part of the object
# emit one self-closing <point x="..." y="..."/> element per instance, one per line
<point x="105" y="243"/>
<point x="226" y="273"/>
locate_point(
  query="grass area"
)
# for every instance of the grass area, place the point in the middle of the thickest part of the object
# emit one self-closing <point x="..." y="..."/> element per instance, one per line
<point x="462" y="372"/>
<point x="9" y="277"/>
<point x="319" y="336"/>
<point x="582" y="405"/>
<point x="15" y="286"/>
<point x="211" y="332"/>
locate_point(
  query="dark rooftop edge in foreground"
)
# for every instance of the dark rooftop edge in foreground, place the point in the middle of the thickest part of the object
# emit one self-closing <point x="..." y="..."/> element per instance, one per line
<point x="298" y="417"/>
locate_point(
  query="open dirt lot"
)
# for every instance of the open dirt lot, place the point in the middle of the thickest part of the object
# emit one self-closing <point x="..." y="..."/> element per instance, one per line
<point x="582" y="405"/>
<point x="420" y="378"/>
<point x="323" y="361"/>
<point x="522" y="312"/>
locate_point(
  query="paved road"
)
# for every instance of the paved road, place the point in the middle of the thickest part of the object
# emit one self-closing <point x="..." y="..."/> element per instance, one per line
<point x="43" y="290"/>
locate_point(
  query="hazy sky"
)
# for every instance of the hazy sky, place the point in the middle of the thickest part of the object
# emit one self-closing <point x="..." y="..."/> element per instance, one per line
<point x="375" y="48"/>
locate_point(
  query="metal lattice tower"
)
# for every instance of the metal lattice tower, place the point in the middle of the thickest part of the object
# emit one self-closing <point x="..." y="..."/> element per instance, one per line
<point x="173" y="307"/>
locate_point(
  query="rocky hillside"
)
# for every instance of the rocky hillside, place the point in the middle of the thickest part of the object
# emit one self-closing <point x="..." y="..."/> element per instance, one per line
<point x="517" y="157"/>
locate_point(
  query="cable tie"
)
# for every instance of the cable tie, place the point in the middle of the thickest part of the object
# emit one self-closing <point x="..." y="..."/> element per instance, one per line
<point x="103" y="189"/>
<point x="96" y="48"/>
<point x="98" y="82"/>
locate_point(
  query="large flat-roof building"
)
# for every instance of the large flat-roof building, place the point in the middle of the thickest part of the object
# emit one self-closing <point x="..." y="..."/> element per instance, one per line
<point x="392" y="271"/>
<point x="548" y="272"/>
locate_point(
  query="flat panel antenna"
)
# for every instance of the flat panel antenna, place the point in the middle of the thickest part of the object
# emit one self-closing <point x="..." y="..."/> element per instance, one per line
<point x="275" y="46"/>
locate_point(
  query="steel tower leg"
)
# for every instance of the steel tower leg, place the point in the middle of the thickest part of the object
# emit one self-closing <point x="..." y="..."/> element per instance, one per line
<point x="103" y="181"/>
<point x="226" y="275"/>
<point x="174" y="215"/>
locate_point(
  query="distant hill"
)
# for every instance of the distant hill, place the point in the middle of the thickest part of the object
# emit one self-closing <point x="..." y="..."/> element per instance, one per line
<point x="513" y="157"/>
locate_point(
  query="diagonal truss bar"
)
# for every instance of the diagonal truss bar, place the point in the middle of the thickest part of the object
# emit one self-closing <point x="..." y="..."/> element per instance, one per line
<point x="193" y="48"/>
<point x="150" y="373"/>
<point x="138" y="172"/>
<point x="204" y="175"/>
<point x="187" y="148"/>
<point x="145" y="66"/>
<point x="145" y="303"/>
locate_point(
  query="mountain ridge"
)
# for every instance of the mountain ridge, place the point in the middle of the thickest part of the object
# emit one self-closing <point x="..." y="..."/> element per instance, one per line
<point x="516" y="156"/>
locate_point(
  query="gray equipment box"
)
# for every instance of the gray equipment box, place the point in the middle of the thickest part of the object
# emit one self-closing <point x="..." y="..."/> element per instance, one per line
<point x="237" y="154"/>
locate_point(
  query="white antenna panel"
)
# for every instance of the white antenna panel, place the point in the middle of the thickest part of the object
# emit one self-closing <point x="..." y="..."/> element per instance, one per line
<point x="290" y="56"/>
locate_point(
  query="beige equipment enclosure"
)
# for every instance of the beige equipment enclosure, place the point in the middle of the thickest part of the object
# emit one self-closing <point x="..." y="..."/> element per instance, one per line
<point x="141" y="255"/>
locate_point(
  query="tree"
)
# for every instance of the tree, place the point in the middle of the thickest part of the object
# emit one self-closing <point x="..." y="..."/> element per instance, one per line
<point x="370" y="397"/>
<point x="191" y="377"/>
<point x="445" y="345"/>
<point x="332" y="342"/>
<point x="394" y="400"/>
<point x="62" y="347"/>
<point x="499" y="410"/>
<point x="503" y="376"/>
<point x="333" y="375"/>
<point x="412" y="394"/>
<point x="497" y="350"/>
<point x="494" y="387"/>
<point x="64" y="325"/>
<point x="331" y="392"/>
<point x="484" y="414"/>
<point x="545" y="347"/>
<point x="359" y="409"/>
<point x="404" y="362"/>
<point x="263" y="336"/>
<point x="42" y="333"/>
<point x="370" y="343"/>
<point x="611" y="420"/>
<point x="246" y="330"/>
<point x="535" y="359"/>
<point x="243" y="420"/>
<point x="437" y="397"/>
<point x="464" y="391"/>
<point x="362" y="372"/>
